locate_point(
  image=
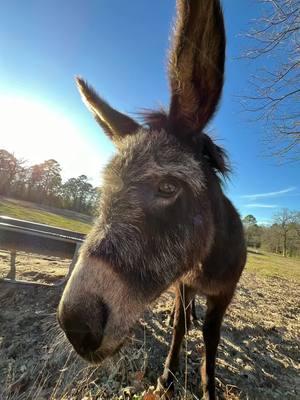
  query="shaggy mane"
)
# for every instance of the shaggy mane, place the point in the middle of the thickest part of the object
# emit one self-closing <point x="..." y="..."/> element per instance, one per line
<point x="154" y="119"/>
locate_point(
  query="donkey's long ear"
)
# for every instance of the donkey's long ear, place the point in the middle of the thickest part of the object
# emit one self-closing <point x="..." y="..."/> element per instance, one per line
<point x="115" y="124"/>
<point x="196" y="64"/>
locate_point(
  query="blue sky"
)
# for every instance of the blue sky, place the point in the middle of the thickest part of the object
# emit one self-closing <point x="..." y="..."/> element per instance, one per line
<point x="120" y="47"/>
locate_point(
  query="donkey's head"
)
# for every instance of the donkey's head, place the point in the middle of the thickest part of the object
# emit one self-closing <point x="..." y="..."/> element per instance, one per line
<point x="157" y="200"/>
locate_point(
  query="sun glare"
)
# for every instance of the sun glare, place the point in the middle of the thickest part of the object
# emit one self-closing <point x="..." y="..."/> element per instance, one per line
<point x="35" y="132"/>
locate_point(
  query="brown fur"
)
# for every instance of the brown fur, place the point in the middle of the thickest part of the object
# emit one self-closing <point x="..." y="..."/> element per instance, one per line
<point x="164" y="219"/>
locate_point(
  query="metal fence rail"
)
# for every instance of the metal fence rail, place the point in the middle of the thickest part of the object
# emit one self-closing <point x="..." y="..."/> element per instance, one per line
<point x="19" y="235"/>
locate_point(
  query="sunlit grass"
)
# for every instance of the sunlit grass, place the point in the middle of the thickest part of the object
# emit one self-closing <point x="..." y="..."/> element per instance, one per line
<point x="273" y="265"/>
<point x="29" y="213"/>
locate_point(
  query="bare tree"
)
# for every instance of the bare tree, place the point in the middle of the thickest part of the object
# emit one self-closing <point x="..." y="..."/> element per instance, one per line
<point x="285" y="221"/>
<point x="272" y="238"/>
<point x="8" y="169"/>
<point x="276" y="87"/>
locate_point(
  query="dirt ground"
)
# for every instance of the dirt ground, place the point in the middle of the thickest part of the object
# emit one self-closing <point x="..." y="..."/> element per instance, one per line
<point x="258" y="354"/>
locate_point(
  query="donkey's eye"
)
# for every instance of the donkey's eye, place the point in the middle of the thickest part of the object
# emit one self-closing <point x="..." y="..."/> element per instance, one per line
<point x="167" y="188"/>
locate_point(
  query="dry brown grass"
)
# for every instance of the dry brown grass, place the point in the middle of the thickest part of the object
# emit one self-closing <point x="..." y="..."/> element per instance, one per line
<point x="258" y="354"/>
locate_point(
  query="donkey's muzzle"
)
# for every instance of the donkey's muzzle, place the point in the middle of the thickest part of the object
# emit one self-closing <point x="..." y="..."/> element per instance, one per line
<point x="84" y="326"/>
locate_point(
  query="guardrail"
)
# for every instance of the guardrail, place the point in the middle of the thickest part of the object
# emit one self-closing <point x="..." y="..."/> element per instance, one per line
<point x="19" y="235"/>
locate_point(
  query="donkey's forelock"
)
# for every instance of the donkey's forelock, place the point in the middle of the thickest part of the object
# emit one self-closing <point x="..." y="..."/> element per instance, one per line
<point x="201" y="143"/>
<point x="155" y="154"/>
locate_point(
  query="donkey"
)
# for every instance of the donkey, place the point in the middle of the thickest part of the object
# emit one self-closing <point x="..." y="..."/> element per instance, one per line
<point x="164" y="219"/>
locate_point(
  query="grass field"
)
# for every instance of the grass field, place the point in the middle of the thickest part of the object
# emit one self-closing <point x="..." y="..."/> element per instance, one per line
<point x="45" y="215"/>
<point x="273" y="265"/>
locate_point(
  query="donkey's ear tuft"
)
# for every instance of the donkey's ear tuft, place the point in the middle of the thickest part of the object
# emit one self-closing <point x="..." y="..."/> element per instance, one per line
<point x="115" y="124"/>
<point x="196" y="64"/>
<point x="215" y="155"/>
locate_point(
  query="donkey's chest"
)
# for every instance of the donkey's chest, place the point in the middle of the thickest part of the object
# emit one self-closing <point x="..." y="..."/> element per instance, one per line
<point x="202" y="283"/>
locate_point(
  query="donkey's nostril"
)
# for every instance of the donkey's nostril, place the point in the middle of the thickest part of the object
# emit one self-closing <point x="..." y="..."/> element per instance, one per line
<point x="84" y="331"/>
<point x="89" y="342"/>
<point x="82" y="337"/>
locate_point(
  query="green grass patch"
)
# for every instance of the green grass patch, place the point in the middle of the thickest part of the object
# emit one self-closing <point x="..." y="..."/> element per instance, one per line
<point x="30" y="213"/>
<point x="269" y="264"/>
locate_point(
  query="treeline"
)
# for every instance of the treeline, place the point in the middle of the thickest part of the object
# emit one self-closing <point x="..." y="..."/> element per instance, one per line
<point x="281" y="237"/>
<point x="43" y="184"/>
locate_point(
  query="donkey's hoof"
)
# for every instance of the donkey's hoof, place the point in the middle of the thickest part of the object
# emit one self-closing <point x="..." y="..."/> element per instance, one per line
<point x="163" y="390"/>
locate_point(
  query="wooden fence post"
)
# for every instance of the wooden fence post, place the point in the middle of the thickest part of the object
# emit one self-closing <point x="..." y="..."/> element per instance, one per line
<point x="12" y="272"/>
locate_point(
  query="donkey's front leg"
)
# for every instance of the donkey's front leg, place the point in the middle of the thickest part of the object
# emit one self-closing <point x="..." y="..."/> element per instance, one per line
<point x="184" y="296"/>
<point x="170" y="320"/>
<point x="216" y="307"/>
<point x="193" y="314"/>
